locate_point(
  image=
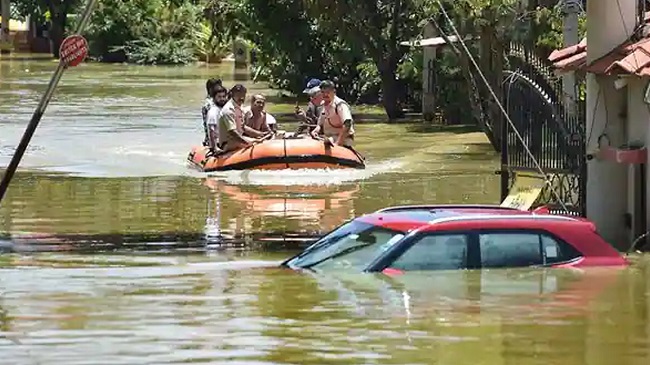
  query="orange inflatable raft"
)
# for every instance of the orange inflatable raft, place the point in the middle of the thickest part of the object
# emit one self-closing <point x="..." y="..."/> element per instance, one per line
<point x="278" y="154"/>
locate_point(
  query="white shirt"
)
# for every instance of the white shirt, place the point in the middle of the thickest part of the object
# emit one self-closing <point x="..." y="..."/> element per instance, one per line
<point x="213" y="115"/>
<point x="212" y="120"/>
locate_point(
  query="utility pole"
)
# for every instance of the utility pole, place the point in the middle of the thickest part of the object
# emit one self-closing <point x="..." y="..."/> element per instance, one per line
<point x="5" y="11"/>
<point x="571" y="9"/>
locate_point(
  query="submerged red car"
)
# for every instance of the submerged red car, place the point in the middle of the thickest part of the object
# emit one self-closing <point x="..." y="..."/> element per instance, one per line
<point x="451" y="237"/>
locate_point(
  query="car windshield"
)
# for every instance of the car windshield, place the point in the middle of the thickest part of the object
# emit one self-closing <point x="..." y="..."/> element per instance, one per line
<point x="352" y="246"/>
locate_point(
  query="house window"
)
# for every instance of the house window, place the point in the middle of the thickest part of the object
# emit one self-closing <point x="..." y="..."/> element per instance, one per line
<point x="435" y="252"/>
<point x="519" y="249"/>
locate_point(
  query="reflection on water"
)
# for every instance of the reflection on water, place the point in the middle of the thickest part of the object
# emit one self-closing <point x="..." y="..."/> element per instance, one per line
<point x="214" y="313"/>
<point x="289" y="210"/>
<point x="50" y="211"/>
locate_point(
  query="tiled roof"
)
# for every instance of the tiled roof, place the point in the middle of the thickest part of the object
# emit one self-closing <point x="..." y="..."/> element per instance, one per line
<point x="631" y="58"/>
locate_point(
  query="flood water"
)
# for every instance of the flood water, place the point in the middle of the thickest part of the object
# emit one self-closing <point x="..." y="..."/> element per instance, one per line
<point x="117" y="253"/>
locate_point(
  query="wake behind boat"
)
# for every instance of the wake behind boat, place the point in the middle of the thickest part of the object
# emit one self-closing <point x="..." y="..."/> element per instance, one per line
<point x="278" y="154"/>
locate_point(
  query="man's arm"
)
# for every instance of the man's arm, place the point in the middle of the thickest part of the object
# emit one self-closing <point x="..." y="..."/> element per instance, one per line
<point x="228" y="121"/>
<point x="319" y="126"/>
<point x="251" y="132"/>
<point x="346" y="117"/>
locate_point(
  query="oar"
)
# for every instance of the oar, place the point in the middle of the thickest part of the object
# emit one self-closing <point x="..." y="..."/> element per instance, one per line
<point x="40" y="109"/>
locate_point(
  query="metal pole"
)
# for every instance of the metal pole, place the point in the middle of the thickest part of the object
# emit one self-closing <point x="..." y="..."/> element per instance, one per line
<point x="40" y="110"/>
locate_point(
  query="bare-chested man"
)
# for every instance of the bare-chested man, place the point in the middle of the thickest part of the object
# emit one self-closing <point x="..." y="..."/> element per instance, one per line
<point x="257" y="121"/>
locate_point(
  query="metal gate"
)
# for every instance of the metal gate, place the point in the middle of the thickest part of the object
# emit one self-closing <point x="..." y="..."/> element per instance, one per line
<point x="553" y="133"/>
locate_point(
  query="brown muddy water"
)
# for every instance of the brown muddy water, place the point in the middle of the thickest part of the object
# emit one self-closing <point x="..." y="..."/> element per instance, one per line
<point x="117" y="253"/>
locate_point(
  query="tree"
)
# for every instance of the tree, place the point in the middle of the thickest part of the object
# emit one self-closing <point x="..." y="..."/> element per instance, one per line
<point x="495" y="23"/>
<point x="299" y="47"/>
<point x="53" y="11"/>
<point x="377" y="28"/>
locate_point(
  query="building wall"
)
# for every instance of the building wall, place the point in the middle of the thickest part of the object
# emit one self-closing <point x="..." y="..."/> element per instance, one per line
<point x="638" y="120"/>
<point x="607" y="182"/>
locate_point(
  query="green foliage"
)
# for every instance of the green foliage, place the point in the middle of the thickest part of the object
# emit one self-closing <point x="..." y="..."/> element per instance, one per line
<point x="207" y="47"/>
<point x="298" y="47"/>
<point x="115" y="23"/>
<point x="146" y="31"/>
<point x="167" y="51"/>
<point x="375" y="29"/>
<point x="355" y="43"/>
<point x="550" y="20"/>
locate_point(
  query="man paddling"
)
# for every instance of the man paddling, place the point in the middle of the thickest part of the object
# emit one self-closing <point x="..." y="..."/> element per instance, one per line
<point x="335" y="121"/>
<point x="231" y="122"/>
<point x="309" y="118"/>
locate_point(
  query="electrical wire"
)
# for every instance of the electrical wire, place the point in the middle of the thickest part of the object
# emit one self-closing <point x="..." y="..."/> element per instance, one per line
<point x="547" y="181"/>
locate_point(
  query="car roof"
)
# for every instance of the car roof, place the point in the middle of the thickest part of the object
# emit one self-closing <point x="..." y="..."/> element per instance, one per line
<point x="415" y="216"/>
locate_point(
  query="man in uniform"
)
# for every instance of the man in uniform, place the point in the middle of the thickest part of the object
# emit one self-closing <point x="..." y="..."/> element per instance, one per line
<point x="231" y="122"/>
<point x="335" y="121"/>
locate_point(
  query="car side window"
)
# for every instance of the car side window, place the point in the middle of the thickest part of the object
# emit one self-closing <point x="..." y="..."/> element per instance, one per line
<point x="555" y="251"/>
<point x="520" y="249"/>
<point x="434" y="252"/>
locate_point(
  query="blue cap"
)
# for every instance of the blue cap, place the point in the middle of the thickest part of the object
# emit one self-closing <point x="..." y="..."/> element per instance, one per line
<point x="312" y="86"/>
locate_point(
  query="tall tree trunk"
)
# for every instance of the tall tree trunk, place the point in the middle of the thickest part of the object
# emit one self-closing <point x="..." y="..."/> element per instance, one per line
<point x="58" y="20"/>
<point x="492" y="68"/>
<point x="56" y="35"/>
<point x="390" y="90"/>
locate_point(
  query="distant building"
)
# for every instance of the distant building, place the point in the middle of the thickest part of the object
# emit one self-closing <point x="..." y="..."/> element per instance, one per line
<point x="27" y="36"/>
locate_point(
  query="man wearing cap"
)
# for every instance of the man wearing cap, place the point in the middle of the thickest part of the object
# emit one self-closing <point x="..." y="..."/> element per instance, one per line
<point x="231" y="122"/>
<point x="314" y="108"/>
<point x="335" y="121"/>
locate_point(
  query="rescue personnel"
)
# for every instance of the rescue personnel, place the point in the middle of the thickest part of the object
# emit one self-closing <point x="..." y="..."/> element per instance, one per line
<point x="335" y="120"/>
<point x="231" y="122"/>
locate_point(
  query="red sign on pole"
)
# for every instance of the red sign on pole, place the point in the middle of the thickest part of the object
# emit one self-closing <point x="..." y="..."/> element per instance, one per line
<point x="73" y="50"/>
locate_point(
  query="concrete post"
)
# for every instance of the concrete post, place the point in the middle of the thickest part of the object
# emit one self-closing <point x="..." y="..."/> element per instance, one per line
<point x="610" y="23"/>
<point x="428" y="87"/>
<point x="241" y="53"/>
<point x="571" y="10"/>
<point x="5" y="44"/>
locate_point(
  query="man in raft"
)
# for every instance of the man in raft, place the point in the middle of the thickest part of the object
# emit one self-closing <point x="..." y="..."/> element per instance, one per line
<point x="309" y="119"/>
<point x="219" y="99"/>
<point x="231" y="122"/>
<point x="257" y="122"/>
<point x="209" y="102"/>
<point x="335" y="121"/>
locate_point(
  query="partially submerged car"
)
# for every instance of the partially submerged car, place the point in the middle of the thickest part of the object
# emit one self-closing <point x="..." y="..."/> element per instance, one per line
<point x="451" y="237"/>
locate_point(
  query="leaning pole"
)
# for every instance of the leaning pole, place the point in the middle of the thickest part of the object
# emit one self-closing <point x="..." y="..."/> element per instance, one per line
<point x="73" y="50"/>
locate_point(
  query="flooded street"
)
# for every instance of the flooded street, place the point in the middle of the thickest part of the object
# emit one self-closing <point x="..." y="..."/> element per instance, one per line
<point x="117" y="253"/>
